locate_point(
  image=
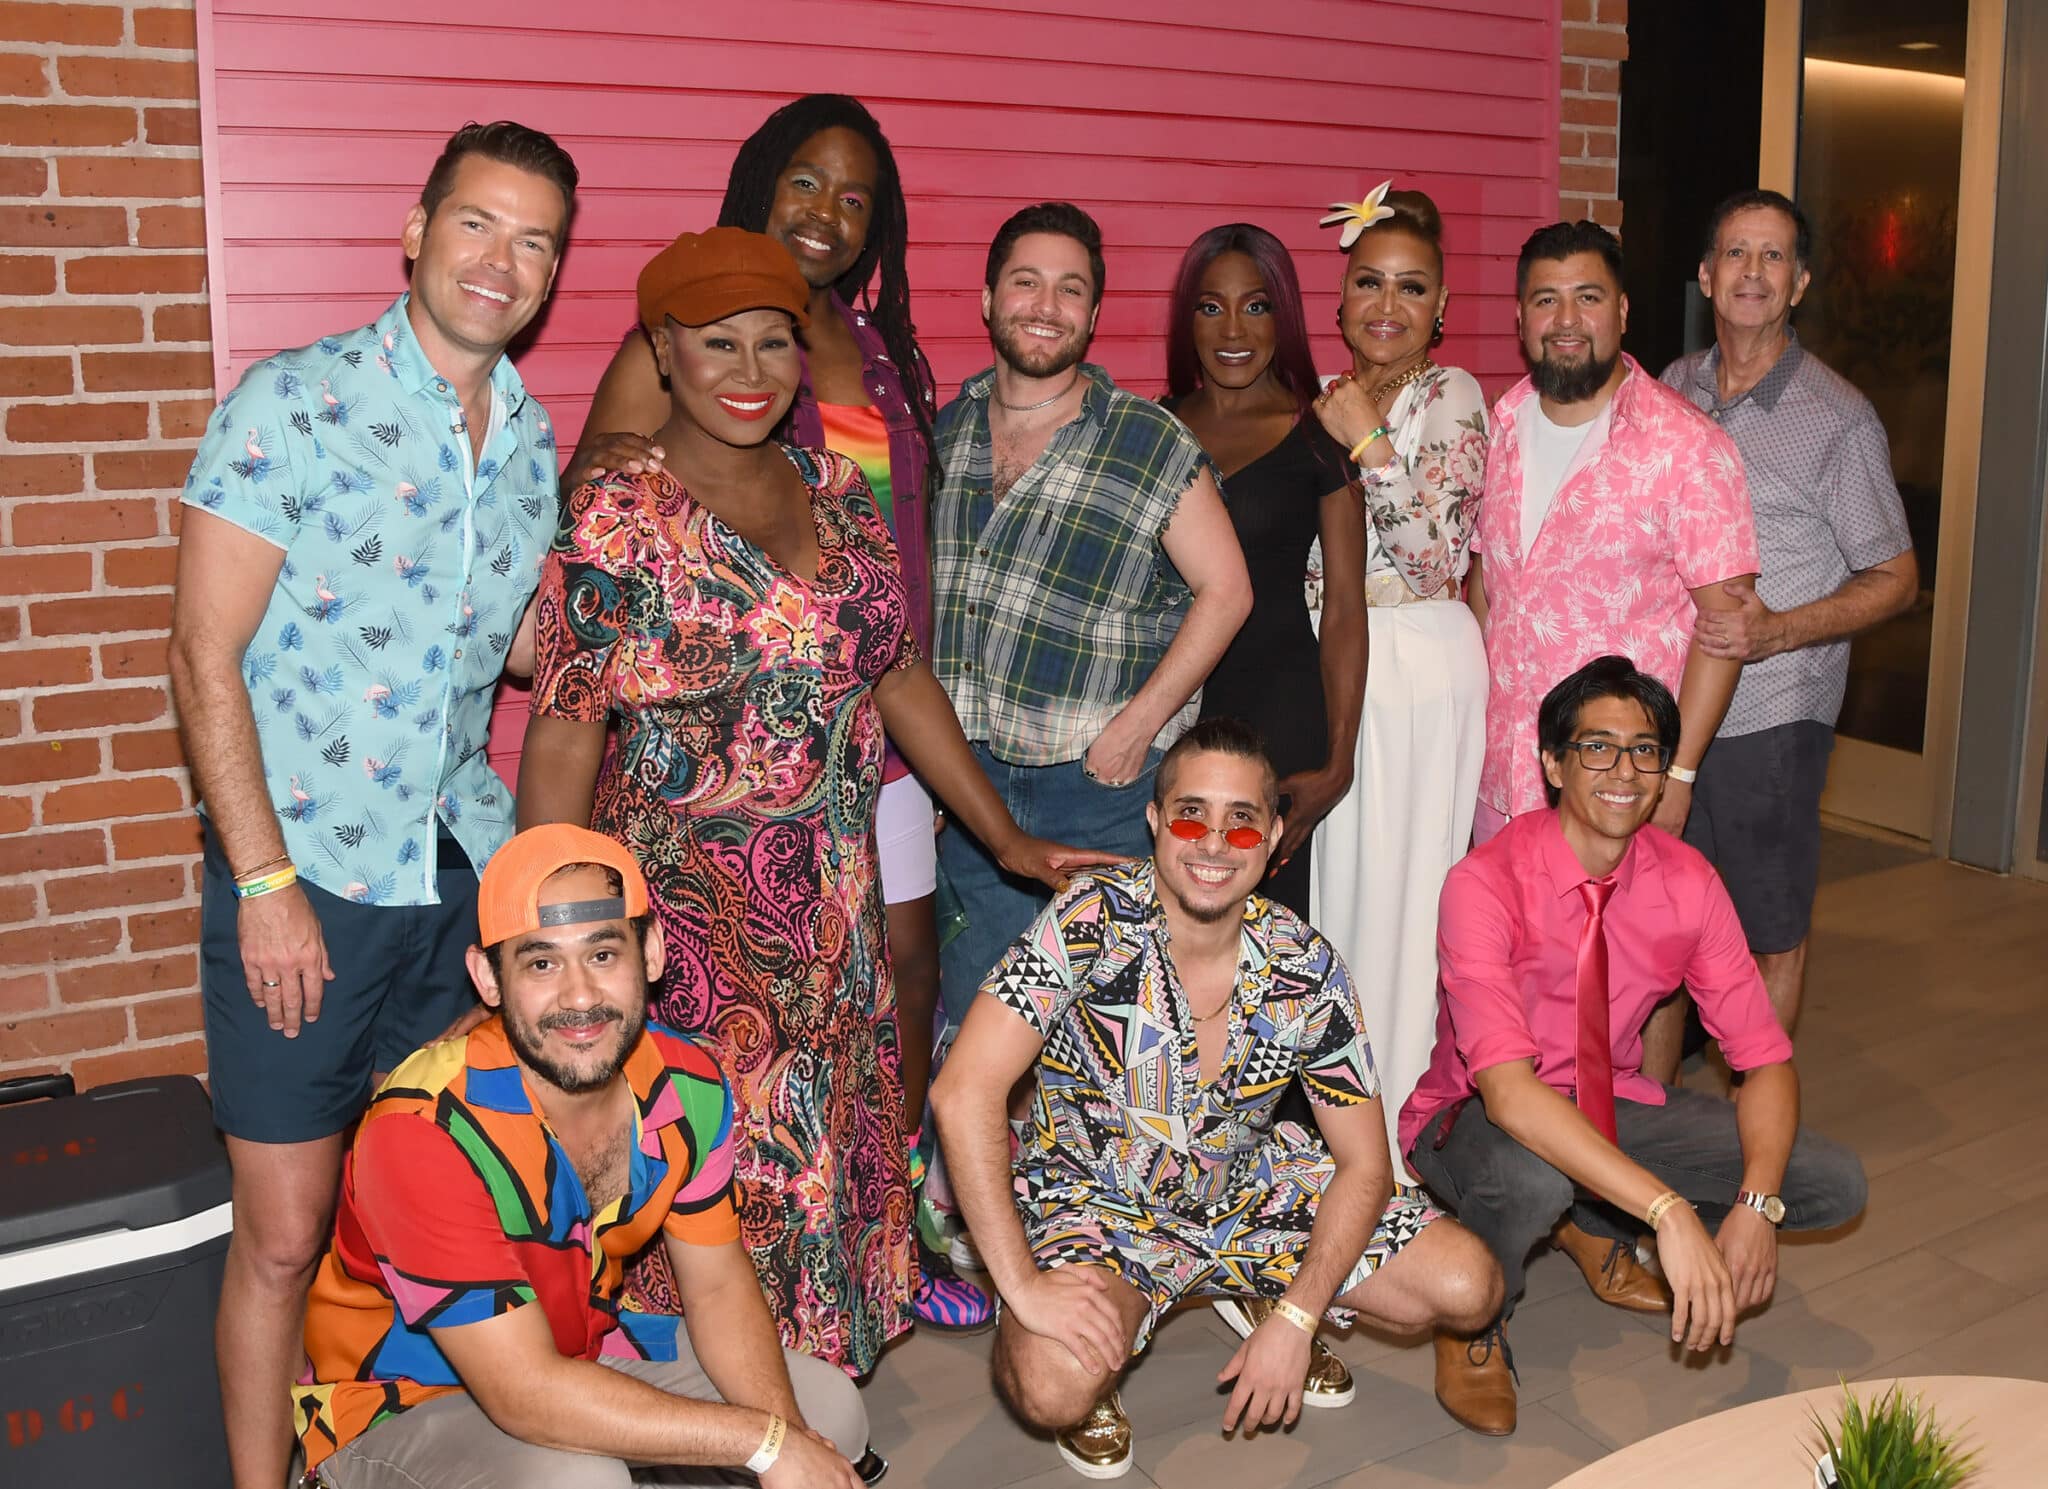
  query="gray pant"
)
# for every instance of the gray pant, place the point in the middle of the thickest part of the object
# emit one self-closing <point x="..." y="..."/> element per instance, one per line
<point x="448" y="1443"/>
<point x="1511" y="1199"/>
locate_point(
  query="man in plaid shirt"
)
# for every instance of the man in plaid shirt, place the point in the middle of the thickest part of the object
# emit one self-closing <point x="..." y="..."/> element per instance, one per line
<point x="1085" y="578"/>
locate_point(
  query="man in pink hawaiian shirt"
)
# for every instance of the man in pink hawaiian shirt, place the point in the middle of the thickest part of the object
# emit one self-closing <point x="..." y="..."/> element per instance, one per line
<point x="1614" y="512"/>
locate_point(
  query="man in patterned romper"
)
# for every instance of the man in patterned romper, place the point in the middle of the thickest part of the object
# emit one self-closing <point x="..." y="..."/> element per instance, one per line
<point x="1165" y="1006"/>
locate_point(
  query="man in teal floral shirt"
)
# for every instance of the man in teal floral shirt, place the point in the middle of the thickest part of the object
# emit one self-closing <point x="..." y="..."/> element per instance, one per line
<point x="363" y="530"/>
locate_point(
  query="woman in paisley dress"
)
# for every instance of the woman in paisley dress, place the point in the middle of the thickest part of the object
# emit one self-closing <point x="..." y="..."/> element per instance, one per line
<point x="1416" y="434"/>
<point x="741" y="614"/>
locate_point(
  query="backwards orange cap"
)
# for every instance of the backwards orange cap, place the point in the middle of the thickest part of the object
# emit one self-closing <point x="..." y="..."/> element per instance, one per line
<point x="508" y="899"/>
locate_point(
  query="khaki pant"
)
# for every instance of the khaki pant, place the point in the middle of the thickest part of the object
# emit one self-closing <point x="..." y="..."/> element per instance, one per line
<point x="448" y="1443"/>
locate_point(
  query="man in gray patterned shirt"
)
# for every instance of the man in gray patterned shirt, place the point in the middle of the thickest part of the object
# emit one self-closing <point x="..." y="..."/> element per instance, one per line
<point x="1837" y="560"/>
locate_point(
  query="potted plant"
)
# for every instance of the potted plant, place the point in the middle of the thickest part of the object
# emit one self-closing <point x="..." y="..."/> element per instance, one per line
<point x="1893" y="1443"/>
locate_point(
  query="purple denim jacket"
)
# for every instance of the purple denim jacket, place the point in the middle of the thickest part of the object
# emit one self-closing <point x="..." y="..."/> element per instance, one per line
<point x="907" y="458"/>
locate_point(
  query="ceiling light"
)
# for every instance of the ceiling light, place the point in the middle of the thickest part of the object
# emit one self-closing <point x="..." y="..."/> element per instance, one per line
<point x="1919" y="46"/>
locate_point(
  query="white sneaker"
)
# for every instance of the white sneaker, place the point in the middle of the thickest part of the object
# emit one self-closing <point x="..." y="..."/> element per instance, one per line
<point x="963" y="1253"/>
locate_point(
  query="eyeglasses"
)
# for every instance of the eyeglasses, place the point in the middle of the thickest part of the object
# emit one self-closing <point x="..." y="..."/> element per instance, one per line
<point x="1193" y="830"/>
<point x="1604" y="754"/>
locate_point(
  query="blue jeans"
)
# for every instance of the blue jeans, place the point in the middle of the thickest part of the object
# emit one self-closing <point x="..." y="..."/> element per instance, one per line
<point x="1048" y="801"/>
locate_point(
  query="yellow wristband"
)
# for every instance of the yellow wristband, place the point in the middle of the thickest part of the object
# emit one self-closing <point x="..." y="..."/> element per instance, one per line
<point x="1660" y="1205"/>
<point x="1300" y="1317"/>
<point x="1358" y="450"/>
<point x="249" y="889"/>
<point x="771" y="1446"/>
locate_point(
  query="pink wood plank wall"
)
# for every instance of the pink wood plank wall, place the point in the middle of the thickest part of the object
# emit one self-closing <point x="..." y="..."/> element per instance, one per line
<point x="1162" y="117"/>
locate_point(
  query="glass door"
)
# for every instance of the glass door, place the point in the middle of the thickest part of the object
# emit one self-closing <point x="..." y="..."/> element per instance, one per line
<point x="1875" y="122"/>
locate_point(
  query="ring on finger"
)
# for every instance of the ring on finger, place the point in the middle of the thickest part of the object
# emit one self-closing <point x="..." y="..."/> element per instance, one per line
<point x="271" y="982"/>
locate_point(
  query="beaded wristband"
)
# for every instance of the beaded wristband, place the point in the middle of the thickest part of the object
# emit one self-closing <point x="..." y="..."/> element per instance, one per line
<point x="1662" y="1204"/>
<point x="1359" y="449"/>
<point x="1296" y="1315"/>
<point x="771" y="1447"/>
<point x="284" y="878"/>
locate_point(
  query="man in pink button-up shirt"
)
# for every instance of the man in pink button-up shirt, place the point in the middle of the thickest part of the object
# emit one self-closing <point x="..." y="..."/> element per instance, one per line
<point x="1496" y="1128"/>
<point x="1614" y="512"/>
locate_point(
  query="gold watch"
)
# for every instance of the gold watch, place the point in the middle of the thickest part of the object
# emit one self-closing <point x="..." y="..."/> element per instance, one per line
<point x="1767" y="1205"/>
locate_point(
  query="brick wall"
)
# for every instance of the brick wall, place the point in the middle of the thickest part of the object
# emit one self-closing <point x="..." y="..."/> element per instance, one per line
<point x="1589" y="119"/>
<point x="104" y="385"/>
<point x="105" y="380"/>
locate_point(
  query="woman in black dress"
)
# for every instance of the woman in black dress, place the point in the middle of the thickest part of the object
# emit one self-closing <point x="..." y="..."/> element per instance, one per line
<point x="1240" y="377"/>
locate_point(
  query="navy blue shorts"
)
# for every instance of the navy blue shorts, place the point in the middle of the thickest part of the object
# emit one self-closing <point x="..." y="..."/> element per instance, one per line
<point x="400" y="978"/>
<point x="1756" y="816"/>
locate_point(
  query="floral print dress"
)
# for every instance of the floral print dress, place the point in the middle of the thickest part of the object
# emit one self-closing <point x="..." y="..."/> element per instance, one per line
<point x="744" y="779"/>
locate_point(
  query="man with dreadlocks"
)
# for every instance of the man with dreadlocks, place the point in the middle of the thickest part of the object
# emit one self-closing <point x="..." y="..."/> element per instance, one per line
<point x="819" y="177"/>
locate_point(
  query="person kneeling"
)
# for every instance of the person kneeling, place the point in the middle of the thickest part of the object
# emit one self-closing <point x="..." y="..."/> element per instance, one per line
<point x="1555" y="941"/>
<point x="1166" y="1006"/>
<point x="524" y="1164"/>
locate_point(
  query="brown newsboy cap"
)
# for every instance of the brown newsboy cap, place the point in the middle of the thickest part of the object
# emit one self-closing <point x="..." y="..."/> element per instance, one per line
<point x="705" y="277"/>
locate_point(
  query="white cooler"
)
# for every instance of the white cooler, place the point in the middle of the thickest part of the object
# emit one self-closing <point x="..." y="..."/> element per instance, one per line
<point x="114" y="1221"/>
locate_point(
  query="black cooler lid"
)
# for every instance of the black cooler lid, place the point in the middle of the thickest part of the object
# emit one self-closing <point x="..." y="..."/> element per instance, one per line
<point x="121" y="1157"/>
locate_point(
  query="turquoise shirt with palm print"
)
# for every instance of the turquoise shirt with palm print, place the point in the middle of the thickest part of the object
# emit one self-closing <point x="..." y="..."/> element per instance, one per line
<point x="405" y="576"/>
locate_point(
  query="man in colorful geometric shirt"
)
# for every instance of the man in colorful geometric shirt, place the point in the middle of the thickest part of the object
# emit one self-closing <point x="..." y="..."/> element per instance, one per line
<point x="1164" y="1005"/>
<point x="362" y="532"/>
<point x="464" y="1327"/>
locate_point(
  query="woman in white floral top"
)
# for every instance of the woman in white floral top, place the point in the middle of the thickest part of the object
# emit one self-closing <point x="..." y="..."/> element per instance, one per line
<point x="1417" y="433"/>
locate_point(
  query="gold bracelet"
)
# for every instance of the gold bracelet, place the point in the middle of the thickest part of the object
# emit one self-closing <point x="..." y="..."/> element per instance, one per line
<point x="258" y="871"/>
<point x="1300" y="1317"/>
<point x="1662" y="1204"/>
<point x="771" y="1446"/>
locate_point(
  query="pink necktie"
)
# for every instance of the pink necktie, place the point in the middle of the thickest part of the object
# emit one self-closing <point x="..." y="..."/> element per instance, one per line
<point x="1595" y="1074"/>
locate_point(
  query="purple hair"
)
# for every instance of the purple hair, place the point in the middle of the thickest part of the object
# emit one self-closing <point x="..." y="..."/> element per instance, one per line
<point x="1292" y="364"/>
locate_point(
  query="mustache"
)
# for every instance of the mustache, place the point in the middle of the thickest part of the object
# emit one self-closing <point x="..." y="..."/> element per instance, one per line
<point x="585" y="1020"/>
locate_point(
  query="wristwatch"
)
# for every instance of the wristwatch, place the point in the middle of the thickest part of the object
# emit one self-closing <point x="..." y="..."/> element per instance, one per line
<point x="1767" y="1205"/>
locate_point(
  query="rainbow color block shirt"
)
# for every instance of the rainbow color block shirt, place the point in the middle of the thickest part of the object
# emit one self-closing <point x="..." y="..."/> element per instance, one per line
<point x="458" y="1205"/>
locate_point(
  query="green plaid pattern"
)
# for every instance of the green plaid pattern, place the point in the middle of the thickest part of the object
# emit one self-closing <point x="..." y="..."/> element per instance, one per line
<point x="1053" y="608"/>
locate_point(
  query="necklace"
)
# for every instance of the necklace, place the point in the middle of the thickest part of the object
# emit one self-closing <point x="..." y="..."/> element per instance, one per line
<point x="1204" y="1018"/>
<point x="1025" y="408"/>
<point x="1399" y="381"/>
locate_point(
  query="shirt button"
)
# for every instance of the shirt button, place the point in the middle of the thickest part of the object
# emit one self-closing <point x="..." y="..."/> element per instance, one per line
<point x="458" y="653"/>
<point x="982" y="551"/>
<point x="970" y="610"/>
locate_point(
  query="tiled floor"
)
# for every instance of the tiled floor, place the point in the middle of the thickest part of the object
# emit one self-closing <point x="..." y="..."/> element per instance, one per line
<point x="1924" y="1046"/>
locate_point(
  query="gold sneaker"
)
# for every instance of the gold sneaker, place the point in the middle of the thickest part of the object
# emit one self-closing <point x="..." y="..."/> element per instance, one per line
<point x="1099" y="1445"/>
<point x="1329" y="1381"/>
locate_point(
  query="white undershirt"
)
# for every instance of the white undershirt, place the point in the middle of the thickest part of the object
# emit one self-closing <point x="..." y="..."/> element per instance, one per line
<point x="1547" y="452"/>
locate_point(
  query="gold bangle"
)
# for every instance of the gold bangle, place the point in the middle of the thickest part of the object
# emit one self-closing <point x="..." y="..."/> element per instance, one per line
<point x="771" y="1446"/>
<point x="258" y="871"/>
<point x="1300" y="1317"/>
<point x="1661" y="1205"/>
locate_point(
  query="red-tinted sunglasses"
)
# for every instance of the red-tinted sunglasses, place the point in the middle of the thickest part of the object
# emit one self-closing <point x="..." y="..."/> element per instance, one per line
<point x="1189" y="830"/>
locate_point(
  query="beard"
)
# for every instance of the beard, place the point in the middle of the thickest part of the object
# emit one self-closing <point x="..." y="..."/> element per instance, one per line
<point x="1569" y="382"/>
<point x="577" y="1079"/>
<point x="1036" y="358"/>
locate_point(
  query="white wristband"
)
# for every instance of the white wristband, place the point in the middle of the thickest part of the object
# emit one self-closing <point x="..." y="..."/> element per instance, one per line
<point x="771" y="1447"/>
<point x="1681" y="775"/>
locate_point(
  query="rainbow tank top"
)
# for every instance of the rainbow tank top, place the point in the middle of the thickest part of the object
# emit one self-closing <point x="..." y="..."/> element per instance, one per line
<point x="859" y="432"/>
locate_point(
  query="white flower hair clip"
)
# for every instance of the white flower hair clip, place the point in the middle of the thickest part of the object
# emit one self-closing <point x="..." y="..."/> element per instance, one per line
<point x="1358" y="216"/>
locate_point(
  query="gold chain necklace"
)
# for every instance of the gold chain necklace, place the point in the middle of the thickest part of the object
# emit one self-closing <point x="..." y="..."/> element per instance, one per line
<point x="1396" y="383"/>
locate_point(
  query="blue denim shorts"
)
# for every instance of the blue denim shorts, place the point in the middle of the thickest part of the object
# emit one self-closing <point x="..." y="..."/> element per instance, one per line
<point x="400" y="978"/>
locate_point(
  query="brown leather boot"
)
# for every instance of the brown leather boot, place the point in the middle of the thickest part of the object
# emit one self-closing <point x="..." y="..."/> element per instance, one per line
<point x="1475" y="1381"/>
<point x="1612" y="1271"/>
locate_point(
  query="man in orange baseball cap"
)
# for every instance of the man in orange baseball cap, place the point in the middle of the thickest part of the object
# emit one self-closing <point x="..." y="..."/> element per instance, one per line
<point x="500" y="1184"/>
